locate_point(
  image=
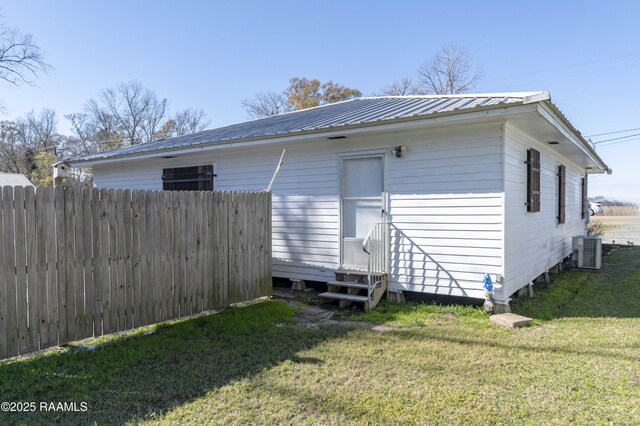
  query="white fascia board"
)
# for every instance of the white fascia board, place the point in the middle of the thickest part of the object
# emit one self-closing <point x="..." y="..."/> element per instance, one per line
<point x="405" y="124"/>
<point x="536" y="97"/>
<point x="567" y="130"/>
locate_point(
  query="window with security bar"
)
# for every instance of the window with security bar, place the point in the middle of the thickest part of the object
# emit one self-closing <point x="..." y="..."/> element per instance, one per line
<point x="196" y="178"/>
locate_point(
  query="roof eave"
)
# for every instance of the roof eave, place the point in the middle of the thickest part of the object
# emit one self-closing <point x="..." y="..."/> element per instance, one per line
<point x="586" y="147"/>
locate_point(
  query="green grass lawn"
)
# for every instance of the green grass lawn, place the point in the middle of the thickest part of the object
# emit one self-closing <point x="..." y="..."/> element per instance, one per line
<point x="579" y="363"/>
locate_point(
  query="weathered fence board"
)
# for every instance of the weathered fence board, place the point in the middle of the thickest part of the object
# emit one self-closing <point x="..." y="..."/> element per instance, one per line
<point x="31" y="262"/>
<point x="39" y="269"/>
<point x="78" y="263"/>
<point x="96" y="262"/>
<point x="52" y="275"/>
<point x="21" y="272"/>
<point x="4" y="274"/>
<point x="9" y="261"/>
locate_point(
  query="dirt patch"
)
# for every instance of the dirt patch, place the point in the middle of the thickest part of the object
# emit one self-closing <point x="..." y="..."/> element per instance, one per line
<point x="309" y="316"/>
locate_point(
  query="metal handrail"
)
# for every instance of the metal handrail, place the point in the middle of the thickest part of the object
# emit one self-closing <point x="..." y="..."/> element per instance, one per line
<point x="375" y="245"/>
<point x="365" y="242"/>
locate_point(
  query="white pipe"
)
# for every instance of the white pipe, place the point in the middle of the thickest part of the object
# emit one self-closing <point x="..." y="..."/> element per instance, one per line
<point x="276" y="172"/>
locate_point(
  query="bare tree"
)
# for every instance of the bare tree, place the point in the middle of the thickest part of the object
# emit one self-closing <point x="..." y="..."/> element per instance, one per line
<point x="84" y="131"/>
<point x="41" y="129"/>
<point x="450" y="71"/>
<point x="127" y="115"/>
<point x="190" y="120"/>
<point x="266" y="104"/>
<point x="29" y="145"/>
<point x="136" y="112"/>
<point x="11" y="153"/>
<point x="184" y="122"/>
<point x="20" y="57"/>
<point x="406" y="86"/>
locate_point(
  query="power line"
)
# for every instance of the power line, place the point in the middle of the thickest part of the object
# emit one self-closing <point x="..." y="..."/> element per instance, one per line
<point x="572" y="75"/>
<point x="611" y="133"/>
<point x="577" y="64"/>
<point x="615" y="143"/>
<point x="615" y="139"/>
<point x="598" y="94"/>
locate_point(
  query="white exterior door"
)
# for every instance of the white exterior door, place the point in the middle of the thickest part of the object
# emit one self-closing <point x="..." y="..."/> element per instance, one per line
<point x="362" y="185"/>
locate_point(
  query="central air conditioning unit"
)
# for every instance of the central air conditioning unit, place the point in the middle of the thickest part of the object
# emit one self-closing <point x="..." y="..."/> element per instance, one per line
<point x="587" y="252"/>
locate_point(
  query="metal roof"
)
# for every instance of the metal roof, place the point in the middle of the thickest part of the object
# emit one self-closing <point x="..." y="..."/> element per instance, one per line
<point x="14" y="179"/>
<point x="360" y="111"/>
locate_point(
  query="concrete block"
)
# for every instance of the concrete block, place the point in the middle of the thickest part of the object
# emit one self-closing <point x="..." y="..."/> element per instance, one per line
<point x="489" y="306"/>
<point x="510" y="321"/>
<point x="527" y="290"/>
<point x="396" y="297"/>
<point x="502" y="307"/>
<point x="298" y="285"/>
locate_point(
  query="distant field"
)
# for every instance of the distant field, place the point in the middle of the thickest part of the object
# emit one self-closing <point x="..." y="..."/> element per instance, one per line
<point x="620" y="229"/>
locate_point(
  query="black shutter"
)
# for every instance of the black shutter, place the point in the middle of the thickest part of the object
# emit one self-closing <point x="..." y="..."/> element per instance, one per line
<point x="585" y="200"/>
<point x="561" y="193"/>
<point x="196" y="178"/>
<point x="533" y="180"/>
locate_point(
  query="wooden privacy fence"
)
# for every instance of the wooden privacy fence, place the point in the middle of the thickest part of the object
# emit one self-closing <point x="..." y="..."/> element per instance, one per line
<point x="77" y="263"/>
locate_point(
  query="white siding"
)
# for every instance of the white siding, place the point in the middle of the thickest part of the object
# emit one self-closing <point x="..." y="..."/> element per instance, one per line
<point x="305" y="199"/>
<point x="446" y="209"/>
<point x="446" y="202"/>
<point x="535" y="241"/>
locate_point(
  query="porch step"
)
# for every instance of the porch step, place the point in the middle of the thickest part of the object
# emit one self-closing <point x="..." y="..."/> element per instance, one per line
<point x="348" y="284"/>
<point x="342" y="296"/>
<point x="360" y="272"/>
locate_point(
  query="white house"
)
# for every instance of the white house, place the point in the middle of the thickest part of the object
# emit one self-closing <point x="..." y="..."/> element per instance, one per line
<point x="469" y="185"/>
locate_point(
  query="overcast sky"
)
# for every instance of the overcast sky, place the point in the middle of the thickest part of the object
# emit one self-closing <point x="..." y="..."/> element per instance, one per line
<point x="212" y="55"/>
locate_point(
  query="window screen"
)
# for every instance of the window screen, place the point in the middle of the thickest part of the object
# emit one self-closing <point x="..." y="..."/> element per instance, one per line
<point x="196" y="178"/>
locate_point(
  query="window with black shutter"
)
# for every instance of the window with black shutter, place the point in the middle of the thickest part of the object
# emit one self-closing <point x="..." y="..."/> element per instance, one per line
<point x="585" y="200"/>
<point x="196" y="178"/>
<point x="561" y="193"/>
<point x="533" y="180"/>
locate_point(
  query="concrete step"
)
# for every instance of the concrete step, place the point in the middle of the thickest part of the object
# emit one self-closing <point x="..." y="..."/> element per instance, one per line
<point x="342" y="296"/>
<point x="510" y="320"/>
<point x="348" y="284"/>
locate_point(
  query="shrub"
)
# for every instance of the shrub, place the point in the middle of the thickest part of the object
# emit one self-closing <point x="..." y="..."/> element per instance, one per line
<point x="596" y="228"/>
